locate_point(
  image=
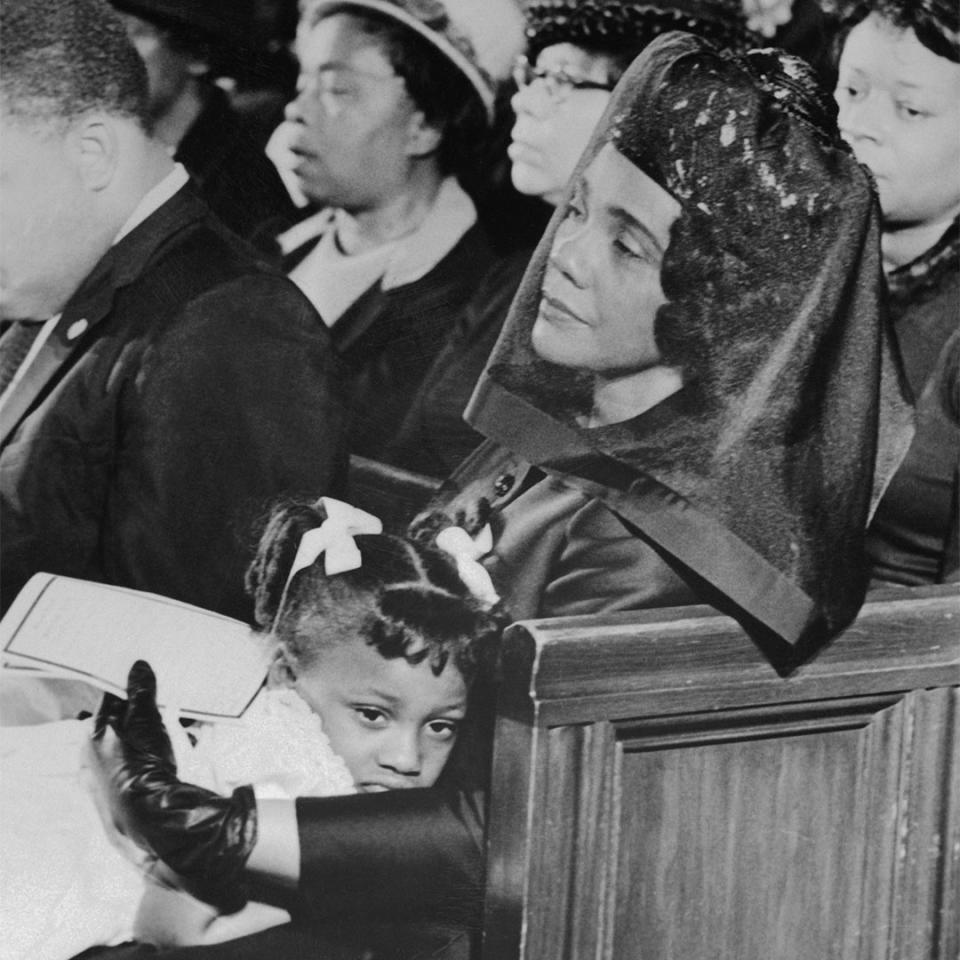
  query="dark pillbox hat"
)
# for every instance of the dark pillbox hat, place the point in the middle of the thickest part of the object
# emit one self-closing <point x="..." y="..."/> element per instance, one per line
<point x="629" y="25"/>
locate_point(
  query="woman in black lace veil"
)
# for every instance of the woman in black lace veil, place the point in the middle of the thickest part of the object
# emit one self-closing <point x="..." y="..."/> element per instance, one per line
<point x="741" y="457"/>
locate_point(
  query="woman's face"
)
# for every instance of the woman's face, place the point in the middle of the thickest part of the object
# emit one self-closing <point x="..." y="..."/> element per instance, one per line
<point x="393" y="722"/>
<point x="900" y="111"/>
<point x="355" y="121"/>
<point x="549" y="136"/>
<point x="601" y="288"/>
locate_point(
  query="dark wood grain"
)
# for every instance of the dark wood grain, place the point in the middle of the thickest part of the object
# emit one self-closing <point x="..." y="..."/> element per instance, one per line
<point x="660" y="793"/>
<point x="688" y="657"/>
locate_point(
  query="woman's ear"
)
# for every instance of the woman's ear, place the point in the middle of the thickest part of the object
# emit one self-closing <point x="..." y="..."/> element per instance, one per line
<point x="422" y="138"/>
<point x="283" y="670"/>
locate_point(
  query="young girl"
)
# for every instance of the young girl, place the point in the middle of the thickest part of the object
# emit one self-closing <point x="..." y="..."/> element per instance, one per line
<point x="381" y="638"/>
<point x="379" y="649"/>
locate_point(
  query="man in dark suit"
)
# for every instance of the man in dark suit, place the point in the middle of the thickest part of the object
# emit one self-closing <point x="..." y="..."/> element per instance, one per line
<point x="178" y="385"/>
<point x="168" y="386"/>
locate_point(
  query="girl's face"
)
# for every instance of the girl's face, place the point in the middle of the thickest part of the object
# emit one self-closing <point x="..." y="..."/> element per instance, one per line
<point x="552" y="129"/>
<point x="900" y="111"/>
<point x="393" y="723"/>
<point x="601" y="288"/>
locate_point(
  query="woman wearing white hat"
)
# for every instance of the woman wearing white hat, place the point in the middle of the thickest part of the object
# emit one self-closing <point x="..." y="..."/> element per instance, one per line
<point x="394" y="100"/>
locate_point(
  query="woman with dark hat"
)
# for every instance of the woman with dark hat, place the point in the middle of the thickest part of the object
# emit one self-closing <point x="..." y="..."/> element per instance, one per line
<point x="577" y="50"/>
<point x="899" y="98"/>
<point x="702" y="410"/>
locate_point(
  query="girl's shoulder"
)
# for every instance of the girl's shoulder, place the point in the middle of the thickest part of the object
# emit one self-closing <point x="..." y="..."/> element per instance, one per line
<point x="279" y="746"/>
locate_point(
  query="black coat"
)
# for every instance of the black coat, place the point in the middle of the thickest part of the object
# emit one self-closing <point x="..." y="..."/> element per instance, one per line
<point x="184" y="387"/>
<point x="388" y="339"/>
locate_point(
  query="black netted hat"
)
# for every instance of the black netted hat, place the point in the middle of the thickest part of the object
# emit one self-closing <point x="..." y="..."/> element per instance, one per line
<point x="621" y="25"/>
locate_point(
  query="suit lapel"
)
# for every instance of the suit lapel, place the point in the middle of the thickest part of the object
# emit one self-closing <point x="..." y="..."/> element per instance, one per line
<point x="92" y="303"/>
<point x="71" y="335"/>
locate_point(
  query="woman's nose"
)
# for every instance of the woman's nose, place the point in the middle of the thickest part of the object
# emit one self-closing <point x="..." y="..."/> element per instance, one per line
<point x="861" y="118"/>
<point x="293" y="112"/>
<point x="571" y="252"/>
<point x="400" y="752"/>
<point x="532" y="99"/>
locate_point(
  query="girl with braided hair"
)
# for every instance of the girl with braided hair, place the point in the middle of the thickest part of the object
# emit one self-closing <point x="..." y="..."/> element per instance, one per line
<point x="383" y="640"/>
<point x="401" y="610"/>
<point x="381" y="655"/>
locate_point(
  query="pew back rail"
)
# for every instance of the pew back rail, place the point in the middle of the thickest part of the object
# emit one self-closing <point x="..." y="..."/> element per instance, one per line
<point x="661" y="793"/>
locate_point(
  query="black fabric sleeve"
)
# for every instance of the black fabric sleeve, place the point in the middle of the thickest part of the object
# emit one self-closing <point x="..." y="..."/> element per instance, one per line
<point x="399" y="856"/>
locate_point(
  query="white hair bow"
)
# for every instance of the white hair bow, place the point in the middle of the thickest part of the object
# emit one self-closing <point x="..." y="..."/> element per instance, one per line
<point x="334" y="539"/>
<point x="467" y="550"/>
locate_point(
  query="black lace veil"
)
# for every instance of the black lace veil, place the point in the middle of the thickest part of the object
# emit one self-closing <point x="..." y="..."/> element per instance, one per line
<point x="760" y="474"/>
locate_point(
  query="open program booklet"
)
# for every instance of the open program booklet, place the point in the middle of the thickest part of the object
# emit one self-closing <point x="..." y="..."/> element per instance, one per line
<point x="208" y="666"/>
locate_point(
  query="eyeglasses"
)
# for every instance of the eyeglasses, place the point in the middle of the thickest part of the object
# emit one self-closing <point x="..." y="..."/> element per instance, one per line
<point x="556" y="81"/>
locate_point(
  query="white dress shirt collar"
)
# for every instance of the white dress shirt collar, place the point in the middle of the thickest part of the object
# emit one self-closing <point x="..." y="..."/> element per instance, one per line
<point x="155" y="198"/>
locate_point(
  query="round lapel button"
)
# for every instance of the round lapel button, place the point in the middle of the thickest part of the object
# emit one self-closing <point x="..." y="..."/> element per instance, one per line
<point x="77" y="328"/>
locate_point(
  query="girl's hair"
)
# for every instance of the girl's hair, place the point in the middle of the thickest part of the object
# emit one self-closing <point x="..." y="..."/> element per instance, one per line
<point x="405" y="600"/>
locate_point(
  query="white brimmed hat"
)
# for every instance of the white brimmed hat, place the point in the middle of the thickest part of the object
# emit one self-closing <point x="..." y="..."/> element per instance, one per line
<point x="480" y="37"/>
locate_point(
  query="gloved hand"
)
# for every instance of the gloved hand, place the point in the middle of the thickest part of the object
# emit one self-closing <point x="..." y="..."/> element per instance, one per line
<point x="203" y="836"/>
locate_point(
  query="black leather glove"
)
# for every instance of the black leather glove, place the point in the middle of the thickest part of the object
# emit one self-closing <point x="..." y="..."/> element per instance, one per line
<point x="201" y="835"/>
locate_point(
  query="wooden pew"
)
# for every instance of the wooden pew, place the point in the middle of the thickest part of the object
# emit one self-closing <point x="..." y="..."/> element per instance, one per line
<point x="660" y="793"/>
